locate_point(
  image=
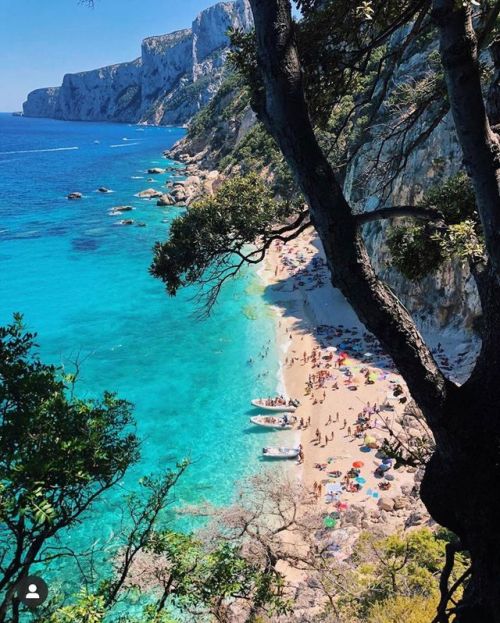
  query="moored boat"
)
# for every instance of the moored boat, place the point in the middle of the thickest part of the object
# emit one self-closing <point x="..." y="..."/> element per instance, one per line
<point x="274" y="452"/>
<point x="284" y="422"/>
<point x="276" y="405"/>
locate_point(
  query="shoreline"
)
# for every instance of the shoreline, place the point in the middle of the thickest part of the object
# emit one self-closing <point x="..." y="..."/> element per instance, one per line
<point x="305" y="301"/>
<point x="314" y="323"/>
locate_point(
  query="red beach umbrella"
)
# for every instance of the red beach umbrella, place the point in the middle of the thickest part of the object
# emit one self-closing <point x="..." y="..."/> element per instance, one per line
<point x="358" y="464"/>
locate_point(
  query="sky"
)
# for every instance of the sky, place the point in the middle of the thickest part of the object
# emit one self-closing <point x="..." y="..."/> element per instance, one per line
<point x="41" y="40"/>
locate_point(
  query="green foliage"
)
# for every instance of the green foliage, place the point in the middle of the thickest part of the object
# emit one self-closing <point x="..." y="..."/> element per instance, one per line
<point x="88" y="608"/>
<point x="419" y="249"/>
<point x="395" y="576"/>
<point x="56" y="450"/>
<point x="229" y="101"/>
<point x="208" y="235"/>
<point x="58" y="453"/>
<point x="400" y="609"/>
<point x="201" y="577"/>
<point x="415" y="253"/>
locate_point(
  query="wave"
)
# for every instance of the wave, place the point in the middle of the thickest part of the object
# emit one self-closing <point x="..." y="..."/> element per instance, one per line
<point x="38" y="151"/>
<point x="124" y="145"/>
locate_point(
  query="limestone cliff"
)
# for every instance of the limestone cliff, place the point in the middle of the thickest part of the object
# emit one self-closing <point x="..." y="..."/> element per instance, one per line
<point x="176" y="76"/>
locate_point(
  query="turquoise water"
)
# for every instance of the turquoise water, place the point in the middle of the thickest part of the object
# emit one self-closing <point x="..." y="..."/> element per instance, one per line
<point x="82" y="283"/>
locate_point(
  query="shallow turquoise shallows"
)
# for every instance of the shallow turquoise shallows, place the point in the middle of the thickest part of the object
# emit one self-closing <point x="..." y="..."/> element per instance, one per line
<point x="81" y="281"/>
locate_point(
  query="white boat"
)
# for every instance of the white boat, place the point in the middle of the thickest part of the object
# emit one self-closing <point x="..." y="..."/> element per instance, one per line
<point x="261" y="403"/>
<point x="273" y="452"/>
<point x="270" y="421"/>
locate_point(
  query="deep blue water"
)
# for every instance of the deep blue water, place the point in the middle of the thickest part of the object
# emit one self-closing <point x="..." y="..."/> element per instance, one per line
<point x="82" y="283"/>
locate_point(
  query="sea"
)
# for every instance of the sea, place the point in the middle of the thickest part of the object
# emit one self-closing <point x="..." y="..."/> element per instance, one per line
<point x="81" y="281"/>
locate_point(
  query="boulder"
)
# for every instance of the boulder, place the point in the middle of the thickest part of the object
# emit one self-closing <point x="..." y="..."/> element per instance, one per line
<point x="400" y="503"/>
<point x="120" y="209"/>
<point x="103" y="189"/>
<point x="386" y="504"/>
<point x="127" y="221"/>
<point x="75" y="196"/>
<point x="165" y="200"/>
<point x="149" y="193"/>
<point x="415" y="519"/>
<point x="156" y="171"/>
<point x="179" y="195"/>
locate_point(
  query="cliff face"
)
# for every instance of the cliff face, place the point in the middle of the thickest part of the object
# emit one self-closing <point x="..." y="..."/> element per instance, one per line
<point x="176" y="75"/>
<point x="41" y="102"/>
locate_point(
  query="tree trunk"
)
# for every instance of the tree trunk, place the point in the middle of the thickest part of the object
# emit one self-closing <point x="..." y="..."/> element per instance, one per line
<point x="480" y="147"/>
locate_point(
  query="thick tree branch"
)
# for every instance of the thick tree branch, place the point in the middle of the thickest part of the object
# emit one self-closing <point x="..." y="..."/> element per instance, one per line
<point x="282" y="108"/>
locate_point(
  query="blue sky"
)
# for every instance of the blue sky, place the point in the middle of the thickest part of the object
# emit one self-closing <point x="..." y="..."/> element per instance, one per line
<point x="41" y="40"/>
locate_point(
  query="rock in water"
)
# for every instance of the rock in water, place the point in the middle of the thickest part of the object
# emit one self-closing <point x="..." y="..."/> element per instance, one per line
<point x="165" y="200"/>
<point x="75" y="196"/>
<point x="156" y="171"/>
<point x="103" y="189"/>
<point x="149" y="193"/>
<point x="119" y="209"/>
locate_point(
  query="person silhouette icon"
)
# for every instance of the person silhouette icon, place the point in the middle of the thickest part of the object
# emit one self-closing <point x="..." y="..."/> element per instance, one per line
<point x="32" y="592"/>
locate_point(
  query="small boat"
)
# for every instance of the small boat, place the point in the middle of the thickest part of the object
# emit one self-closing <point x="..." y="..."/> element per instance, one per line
<point x="273" y="452"/>
<point x="269" y="421"/>
<point x="289" y="407"/>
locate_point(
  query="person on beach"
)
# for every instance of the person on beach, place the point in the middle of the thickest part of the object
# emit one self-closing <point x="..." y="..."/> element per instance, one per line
<point x="345" y="423"/>
<point x="349" y="431"/>
<point x="329" y="419"/>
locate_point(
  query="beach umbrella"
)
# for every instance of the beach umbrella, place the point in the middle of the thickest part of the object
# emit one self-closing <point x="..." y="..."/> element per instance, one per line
<point x="387" y="461"/>
<point x="329" y="522"/>
<point x="369" y="439"/>
<point x="358" y="464"/>
<point x="360" y="480"/>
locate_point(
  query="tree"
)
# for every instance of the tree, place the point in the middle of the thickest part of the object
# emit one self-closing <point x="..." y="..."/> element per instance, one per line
<point x="463" y="419"/>
<point x="58" y="455"/>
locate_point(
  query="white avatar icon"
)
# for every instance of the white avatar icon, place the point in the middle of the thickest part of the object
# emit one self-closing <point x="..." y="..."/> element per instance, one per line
<point x="32" y="594"/>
